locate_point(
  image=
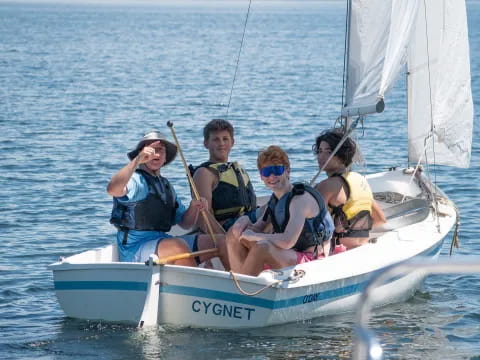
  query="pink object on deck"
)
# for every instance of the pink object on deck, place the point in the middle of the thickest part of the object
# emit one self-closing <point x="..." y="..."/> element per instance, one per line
<point x="303" y="257"/>
<point x="339" y="249"/>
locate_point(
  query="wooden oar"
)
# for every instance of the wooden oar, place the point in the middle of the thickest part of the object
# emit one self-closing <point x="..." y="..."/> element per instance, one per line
<point x="192" y="184"/>
<point x="150" y="307"/>
<point x="172" y="258"/>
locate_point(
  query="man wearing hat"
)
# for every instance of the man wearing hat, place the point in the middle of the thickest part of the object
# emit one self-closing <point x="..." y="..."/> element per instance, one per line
<point x="145" y="205"/>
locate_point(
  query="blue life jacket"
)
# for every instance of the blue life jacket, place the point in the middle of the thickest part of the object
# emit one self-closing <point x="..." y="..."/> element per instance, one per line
<point x="156" y="212"/>
<point x="315" y="231"/>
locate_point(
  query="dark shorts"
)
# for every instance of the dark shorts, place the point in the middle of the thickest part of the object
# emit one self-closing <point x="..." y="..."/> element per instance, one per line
<point x="252" y="215"/>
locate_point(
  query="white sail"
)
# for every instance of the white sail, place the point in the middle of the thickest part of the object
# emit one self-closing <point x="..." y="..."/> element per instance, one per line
<point x="440" y="109"/>
<point x="379" y="32"/>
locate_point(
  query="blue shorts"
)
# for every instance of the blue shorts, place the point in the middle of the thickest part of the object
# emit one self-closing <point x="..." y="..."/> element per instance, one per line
<point x="150" y="247"/>
<point x="191" y="240"/>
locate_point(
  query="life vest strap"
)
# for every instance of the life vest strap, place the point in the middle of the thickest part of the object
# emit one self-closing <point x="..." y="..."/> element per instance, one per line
<point x="125" y="237"/>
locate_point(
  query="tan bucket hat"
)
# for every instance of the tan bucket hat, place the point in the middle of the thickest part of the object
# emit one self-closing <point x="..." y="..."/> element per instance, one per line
<point x="153" y="136"/>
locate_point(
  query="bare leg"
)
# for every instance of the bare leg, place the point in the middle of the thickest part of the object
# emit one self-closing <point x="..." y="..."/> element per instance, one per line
<point x="205" y="242"/>
<point x="175" y="246"/>
<point x="236" y="252"/>
<point x="264" y="252"/>
<point x="351" y="243"/>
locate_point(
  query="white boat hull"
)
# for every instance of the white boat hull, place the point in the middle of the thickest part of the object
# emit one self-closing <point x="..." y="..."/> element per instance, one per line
<point x="95" y="286"/>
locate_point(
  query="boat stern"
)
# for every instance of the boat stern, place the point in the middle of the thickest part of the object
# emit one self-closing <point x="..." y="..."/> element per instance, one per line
<point x="90" y="287"/>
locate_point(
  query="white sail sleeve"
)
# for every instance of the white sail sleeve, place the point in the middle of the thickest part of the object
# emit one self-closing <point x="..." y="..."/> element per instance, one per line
<point x="379" y="32"/>
<point x="440" y="109"/>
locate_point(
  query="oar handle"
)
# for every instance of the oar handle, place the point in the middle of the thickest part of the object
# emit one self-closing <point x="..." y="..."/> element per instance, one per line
<point x="190" y="179"/>
<point x="192" y="184"/>
<point x="172" y="258"/>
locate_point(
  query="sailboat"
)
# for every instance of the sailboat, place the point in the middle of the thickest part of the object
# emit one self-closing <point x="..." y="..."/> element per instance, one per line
<point x="431" y="38"/>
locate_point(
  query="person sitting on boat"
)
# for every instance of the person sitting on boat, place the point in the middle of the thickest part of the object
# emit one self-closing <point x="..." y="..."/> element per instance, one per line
<point x="145" y="204"/>
<point x="302" y="225"/>
<point x="347" y="193"/>
<point x="225" y="184"/>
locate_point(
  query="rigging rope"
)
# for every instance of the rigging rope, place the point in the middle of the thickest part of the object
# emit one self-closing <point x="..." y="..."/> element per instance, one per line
<point x="238" y="58"/>
<point x="345" y="54"/>
<point x="432" y="127"/>
<point x="339" y="145"/>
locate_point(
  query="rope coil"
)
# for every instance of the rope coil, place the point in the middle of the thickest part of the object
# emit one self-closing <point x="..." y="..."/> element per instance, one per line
<point x="297" y="275"/>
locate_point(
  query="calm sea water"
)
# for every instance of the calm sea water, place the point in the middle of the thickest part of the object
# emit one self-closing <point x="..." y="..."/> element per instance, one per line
<point x="79" y="86"/>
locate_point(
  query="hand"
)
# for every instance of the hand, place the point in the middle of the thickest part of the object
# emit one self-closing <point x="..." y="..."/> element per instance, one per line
<point x="239" y="226"/>
<point x="248" y="244"/>
<point x="250" y="235"/>
<point x="200" y="205"/>
<point x="147" y="153"/>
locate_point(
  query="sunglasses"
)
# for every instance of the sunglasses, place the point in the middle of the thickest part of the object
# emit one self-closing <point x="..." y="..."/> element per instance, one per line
<point x="276" y="170"/>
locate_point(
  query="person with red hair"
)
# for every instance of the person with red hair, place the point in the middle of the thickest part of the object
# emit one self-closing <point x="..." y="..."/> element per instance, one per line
<point x="302" y="226"/>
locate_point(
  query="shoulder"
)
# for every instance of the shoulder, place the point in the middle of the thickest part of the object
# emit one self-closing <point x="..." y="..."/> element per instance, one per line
<point x="330" y="188"/>
<point x="331" y="184"/>
<point x="137" y="179"/>
<point x="137" y="189"/>
<point x="303" y="205"/>
<point x="302" y="194"/>
<point x="205" y="173"/>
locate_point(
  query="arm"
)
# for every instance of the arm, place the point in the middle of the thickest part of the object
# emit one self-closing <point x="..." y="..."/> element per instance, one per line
<point x="300" y="209"/>
<point x="190" y="216"/>
<point x="378" y="217"/>
<point x="243" y="223"/>
<point x="117" y="186"/>
<point x="204" y="181"/>
<point x="260" y="225"/>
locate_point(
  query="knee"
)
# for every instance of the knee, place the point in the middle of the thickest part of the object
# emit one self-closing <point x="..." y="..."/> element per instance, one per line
<point x="230" y="238"/>
<point x="261" y="248"/>
<point x="350" y="243"/>
<point x="178" y="244"/>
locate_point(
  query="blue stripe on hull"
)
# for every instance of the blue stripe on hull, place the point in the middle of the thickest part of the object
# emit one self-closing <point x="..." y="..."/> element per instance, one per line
<point x="259" y="302"/>
<point x="279" y="304"/>
<point x="234" y="297"/>
<point x="101" y="285"/>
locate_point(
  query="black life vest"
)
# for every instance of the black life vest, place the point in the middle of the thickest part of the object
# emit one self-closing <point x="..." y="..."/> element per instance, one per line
<point x="234" y="194"/>
<point x="155" y="212"/>
<point x="315" y="231"/>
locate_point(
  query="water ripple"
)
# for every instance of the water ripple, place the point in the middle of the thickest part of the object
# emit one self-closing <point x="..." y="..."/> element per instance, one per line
<point x="80" y="84"/>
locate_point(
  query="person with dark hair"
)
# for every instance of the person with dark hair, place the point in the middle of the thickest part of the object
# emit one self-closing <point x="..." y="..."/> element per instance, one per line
<point x="347" y="193"/>
<point x="146" y="206"/>
<point x="225" y="184"/>
<point x="302" y="226"/>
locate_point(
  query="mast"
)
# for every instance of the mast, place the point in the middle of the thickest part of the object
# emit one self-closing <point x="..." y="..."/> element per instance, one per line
<point x="407" y="79"/>
<point x="348" y="120"/>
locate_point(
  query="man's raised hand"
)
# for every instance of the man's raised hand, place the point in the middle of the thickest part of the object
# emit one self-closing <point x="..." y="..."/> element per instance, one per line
<point x="148" y="153"/>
